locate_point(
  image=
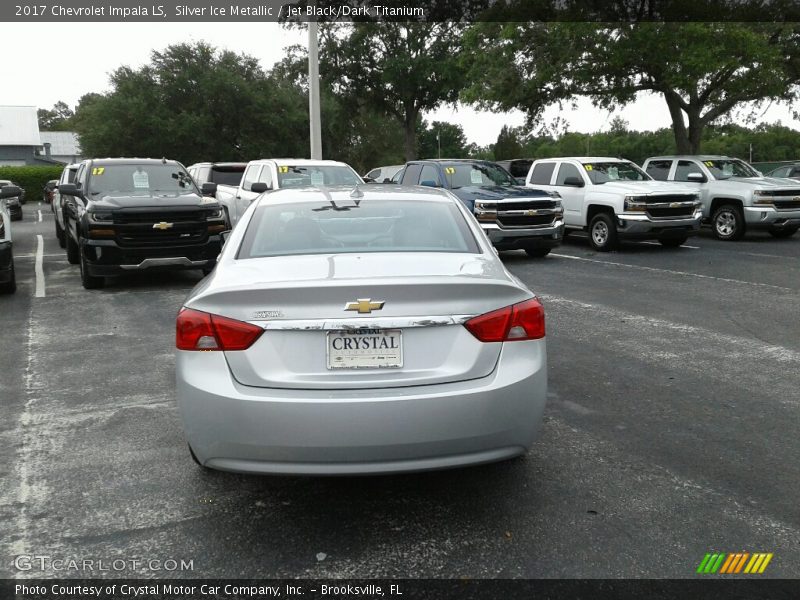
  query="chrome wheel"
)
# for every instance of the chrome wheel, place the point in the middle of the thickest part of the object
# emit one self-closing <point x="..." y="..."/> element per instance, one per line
<point x="725" y="223"/>
<point x="600" y="233"/>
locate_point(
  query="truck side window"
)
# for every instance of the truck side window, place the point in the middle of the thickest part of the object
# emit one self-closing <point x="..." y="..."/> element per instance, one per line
<point x="266" y="176"/>
<point x="250" y="177"/>
<point x="567" y="170"/>
<point x="430" y="174"/>
<point x="411" y="174"/>
<point x="543" y="173"/>
<point x="659" y="169"/>
<point x="684" y="168"/>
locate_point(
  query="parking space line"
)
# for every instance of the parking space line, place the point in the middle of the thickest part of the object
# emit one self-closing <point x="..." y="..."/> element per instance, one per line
<point x="56" y="255"/>
<point x="40" y="215"/>
<point x="39" y="267"/>
<point x="681" y="246"/>
<point x="673" y="272"/>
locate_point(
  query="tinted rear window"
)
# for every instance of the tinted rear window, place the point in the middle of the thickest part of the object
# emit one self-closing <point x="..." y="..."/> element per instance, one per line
<point x="227" y="175"/>
<point x="542" y="173"/>
<point x="350" y="226"/>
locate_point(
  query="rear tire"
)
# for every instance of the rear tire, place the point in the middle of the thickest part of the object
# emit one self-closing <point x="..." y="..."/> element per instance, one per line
<point x="728" y="223"/>
<point x="537" y="252"/>
<point x="73" y="251"/>
<point x="783" y="233"/>
<point x="90" y="282"/>
<point x="603" y="233"/>
<point x="673" y="241"/>
<point x="10" y="286"/>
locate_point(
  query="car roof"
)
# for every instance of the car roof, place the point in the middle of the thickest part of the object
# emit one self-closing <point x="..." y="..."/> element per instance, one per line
<point x="218" y="164"/>
<point x="691" y="156"/>
<point x="133" y="161"/>
<point x="366" y="191"/>
<point x="586" y="158"/>
<point x="302" y="161"/>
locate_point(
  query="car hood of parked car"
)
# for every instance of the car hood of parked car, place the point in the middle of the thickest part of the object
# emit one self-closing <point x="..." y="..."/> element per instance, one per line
<point x="764" y="182"/>
<point x="642" y="187"/>
<point x="114" y="202"/>
<point x="498" y="192"/>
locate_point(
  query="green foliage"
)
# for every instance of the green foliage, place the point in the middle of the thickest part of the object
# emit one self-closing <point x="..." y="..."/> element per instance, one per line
<point x="195" y="103"/>
<point x="509" y="143"/>
<point x="451" y="140"/>
<point x="702" y="70"/>
<point x="31" y="178"/>
<point x="59" y="118"/>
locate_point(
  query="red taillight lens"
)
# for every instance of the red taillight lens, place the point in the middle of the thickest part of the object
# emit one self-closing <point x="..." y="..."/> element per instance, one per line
<point x="195" y="330"/>
<point x="523" y="321"/>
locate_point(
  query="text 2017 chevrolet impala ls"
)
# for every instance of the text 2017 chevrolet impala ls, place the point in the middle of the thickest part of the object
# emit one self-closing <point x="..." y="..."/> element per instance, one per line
<point x="359" y="330"/>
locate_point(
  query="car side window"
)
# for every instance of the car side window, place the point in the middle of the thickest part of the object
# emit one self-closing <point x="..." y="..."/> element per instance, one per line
<point x="266" y="176"/>
<point x="543" y="173"/>
<point x="203" y="175"/>
<point x="684" y="168"/>
<point x="80" y="176"/>
<point x="567" y="170"/>
<point x="795" y="172"/>
<point x="430" y="174"/>
<point x="250" y="177"/>
<point x="373" y="174"/>
<point x="411" y="174"/>
<point x="659" y="169"/>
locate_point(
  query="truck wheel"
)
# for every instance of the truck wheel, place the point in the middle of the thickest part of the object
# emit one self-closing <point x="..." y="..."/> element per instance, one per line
<point x="537" y="252"/>
<point x="90" y="282"/>
<point x="73" y="252"/>
<point x="60" y="236"/>
<point x="728" y="223"/>
<point x="10" y="286"/>
<point x="673" y="241"/>
<point x="603" y="233"/>
<point x="783" y="233"/>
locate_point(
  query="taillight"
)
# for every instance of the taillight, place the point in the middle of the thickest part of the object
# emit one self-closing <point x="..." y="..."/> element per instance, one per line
<point x="195" y="330"/>
<point x="523" y="321"/>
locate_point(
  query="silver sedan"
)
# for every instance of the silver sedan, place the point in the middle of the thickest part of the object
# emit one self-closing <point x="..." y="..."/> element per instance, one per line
<point x="354" y="331"/>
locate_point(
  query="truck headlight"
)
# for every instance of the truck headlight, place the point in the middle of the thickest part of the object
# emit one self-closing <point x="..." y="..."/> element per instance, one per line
<point x="763" y="198"/>
<point x="634" y="204"/>
<point x="101" y="217"/>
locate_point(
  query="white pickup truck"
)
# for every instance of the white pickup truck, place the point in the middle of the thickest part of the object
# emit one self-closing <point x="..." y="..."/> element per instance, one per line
<point x="276" y="173"/>
<point x="613" y="199"/>
<point x="735" y="197"/>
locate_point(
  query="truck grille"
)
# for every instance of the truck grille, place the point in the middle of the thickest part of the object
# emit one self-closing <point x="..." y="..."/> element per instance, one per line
<point x="126" y="217"/>
<point x="524" y="221"/>
<point x="784" y="193"/>
<point x="136" y="228"/>
<point x="787" y="204"/>
<point x="524" y="204"/>
<point x="671" y="213"/>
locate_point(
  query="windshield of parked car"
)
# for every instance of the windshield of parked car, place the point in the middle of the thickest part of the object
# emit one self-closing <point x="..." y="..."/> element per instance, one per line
<point x="354" y="225"/>
<point x="729" y="167"/>
<point x="315" y="176"/>
<point x="139" y="180"/>
<point x="603" y="172"/>
<point x="476" y="174"/>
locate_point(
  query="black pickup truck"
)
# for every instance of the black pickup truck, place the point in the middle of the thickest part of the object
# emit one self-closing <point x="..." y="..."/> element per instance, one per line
<point x="513" y="217"/>
<point x="130" y="214"/>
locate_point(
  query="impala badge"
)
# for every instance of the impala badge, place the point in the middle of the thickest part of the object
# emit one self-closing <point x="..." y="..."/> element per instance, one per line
<point x="163" y="226"/>
<point x="364" y="305"/>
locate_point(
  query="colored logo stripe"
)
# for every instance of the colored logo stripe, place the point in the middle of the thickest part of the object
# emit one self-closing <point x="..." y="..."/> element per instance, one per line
<point x="734" y="562"/>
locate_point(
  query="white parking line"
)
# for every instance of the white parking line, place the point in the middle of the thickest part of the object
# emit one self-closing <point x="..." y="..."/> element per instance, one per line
<point x="40" y="215"/>
<point x="34" y="255"/>
<point x="682" y="245"/>
<point x="672" y="272"/>
<point x="38" y="267"/>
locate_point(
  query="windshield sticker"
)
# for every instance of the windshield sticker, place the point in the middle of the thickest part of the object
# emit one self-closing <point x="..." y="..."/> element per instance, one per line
<point x="98" y="170"/>
<point x="475" y="177"/>
<point x="708" y="163"/>
<point x="283" y="169"/>
<point x="450" y="170"/>
<point x="588" y="167"/>
<point x="141" y="180"/>
<point x="317" y="178"/>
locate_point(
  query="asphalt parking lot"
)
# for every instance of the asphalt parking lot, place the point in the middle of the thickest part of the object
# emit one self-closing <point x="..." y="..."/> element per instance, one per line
<point x="671" y="431"/>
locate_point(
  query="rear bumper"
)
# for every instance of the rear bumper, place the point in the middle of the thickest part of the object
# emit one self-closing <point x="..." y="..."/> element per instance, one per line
<point x="641" y="226"/>
<point x="105" y="257"/>
<point x="335" y="432"/>
<point x="535" y="237"/>
<point x="758" y="217"/>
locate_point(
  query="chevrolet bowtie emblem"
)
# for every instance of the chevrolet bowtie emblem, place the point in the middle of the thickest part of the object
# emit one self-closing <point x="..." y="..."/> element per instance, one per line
<point x="531" y="213"/>
<point x="163" y="226"/>
<point x="364" y="305"/>
<point x="675" y="204"/>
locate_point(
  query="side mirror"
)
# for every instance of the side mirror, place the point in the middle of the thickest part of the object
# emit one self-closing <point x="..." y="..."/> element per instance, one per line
<point x="70" y="189"/>
<point x="574" y="181"/>
<point x="368" y="180"/>
<point x="259" y="187"/>
<point x="429" y="183"/>
<point x="696" y="177"/>
<point x="760" y="174"/>
<point x="10" y="191"/>
<point x="520" y="180"/>
<point x="209" y="188"/>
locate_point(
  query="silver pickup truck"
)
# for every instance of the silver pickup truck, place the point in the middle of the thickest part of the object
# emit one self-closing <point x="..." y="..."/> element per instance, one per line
<point x="735" y="197"/>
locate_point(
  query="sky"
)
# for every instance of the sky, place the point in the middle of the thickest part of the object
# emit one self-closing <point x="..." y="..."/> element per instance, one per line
<point x="83" y="60"/>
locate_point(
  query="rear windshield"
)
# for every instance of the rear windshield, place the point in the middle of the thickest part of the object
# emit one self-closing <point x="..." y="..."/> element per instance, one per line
<point x="227" y="175"/>
<point x="308" y="176"/>
<point x="139" y="180"/>
<point x="336" y="227"/>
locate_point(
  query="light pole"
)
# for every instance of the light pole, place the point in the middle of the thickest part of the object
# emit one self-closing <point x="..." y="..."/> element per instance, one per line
<point x="315" y="124"/>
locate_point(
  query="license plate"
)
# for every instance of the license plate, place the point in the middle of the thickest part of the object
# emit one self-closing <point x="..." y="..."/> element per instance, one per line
<point x="365" y="349"/>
